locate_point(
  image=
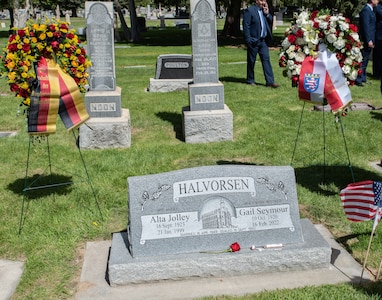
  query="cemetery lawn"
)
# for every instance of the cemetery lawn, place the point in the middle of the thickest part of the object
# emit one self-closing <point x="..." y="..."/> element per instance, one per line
<point x="57" y="223"/>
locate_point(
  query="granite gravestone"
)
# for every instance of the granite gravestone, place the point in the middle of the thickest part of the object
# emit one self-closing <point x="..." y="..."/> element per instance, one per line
<point x="207" y="118"/>
<point x="174" y="66"/>
<point x="109" y="125"/>
<point x="173" y="73"/>
<point x="100" y="36"/>
<point x="181" y="222"/>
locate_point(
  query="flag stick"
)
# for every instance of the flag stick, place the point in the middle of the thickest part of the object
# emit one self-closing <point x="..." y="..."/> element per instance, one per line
<point x="379" y="270"/>
<point x="367" y="253"/>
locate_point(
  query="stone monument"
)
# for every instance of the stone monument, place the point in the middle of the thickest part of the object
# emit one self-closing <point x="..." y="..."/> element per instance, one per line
<point x="182" y="223"/>
<point x="207" y="118"/>
<point x="109" y="124"/>
<point x="173" y="73"/>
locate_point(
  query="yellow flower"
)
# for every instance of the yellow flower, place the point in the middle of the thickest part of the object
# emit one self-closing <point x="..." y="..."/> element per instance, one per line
<point x="11" y="65"/>
<point x="27" y="101"/>
<point x="24" y="75"/>
<point x="74" y="63"/>
<point x="26" y="41"/>
<point x="42" y="36"/>
<point x="49" y="34"/>
<point x="78" y="51"/>
<point x="34" y="40"/>
<point x="40" y="46"/>
<point x="24" y="85"/>
<point x="12" y="76"/>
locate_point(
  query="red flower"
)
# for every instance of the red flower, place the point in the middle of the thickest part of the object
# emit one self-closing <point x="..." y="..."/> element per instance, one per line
<point x="292" y="38"/>
<point x="14" y="87"/>
<point x="57" y="34"/>
<point x="21" y="33"/>
<point x="353" y="27"/>
<point x="63" y="26"/>
<point x="26" y="47"/>
<point x="52" y="27"/>
<point x="12" y="47"/>
<point x="235" y="247"/>
<point x="55" y="45"/>
<point x="300" y="33"/>
<point x="313" y="14"/>
<point x="70" y="35"/>
<point x="81" y="59"/>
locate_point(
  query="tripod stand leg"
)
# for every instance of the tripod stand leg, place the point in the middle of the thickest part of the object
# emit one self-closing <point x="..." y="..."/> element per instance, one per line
<point x="298" y="133"/>
<point x="346" y="149"/>
<point x="25" y="187"/>
<point x="87" y="175"/>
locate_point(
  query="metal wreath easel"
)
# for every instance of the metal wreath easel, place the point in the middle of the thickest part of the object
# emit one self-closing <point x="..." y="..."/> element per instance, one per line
<point x="32" y="187"/>
<point x="324" y="141"/>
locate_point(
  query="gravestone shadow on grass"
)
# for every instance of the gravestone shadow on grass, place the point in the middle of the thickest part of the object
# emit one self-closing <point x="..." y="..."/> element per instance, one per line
<point x="175" y="119"/>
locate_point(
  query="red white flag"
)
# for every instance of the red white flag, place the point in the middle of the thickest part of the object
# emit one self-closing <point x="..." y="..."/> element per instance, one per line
<point x="362" y="200"/>
<point x="322" y="79"/>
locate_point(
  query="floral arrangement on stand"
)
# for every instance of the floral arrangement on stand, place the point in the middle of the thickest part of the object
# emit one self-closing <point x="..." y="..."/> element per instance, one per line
<point x="308" y="30"/>
<point x="44" y="38"/>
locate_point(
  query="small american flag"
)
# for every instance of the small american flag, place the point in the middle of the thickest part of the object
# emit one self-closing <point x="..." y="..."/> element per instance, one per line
<point x="362" y="200"/>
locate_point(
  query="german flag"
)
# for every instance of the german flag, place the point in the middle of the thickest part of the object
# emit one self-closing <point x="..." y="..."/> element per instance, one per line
<point x="56" y="93"/>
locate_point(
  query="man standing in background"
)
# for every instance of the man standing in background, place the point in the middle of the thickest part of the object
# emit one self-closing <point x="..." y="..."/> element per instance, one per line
<point x="257" y="24"/>
<point x="367" y="36"/>
<point x="377" y="51"/>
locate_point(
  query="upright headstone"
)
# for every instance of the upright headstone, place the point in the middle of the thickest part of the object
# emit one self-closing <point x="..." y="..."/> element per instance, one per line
<point x="173" y="73"/>
<point x="109" y="125"/>
<point x="207" y="118"/>
<point x="182" y="222"/>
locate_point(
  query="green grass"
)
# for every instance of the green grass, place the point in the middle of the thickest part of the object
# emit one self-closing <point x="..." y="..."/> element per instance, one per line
<point x="56" y="226"/>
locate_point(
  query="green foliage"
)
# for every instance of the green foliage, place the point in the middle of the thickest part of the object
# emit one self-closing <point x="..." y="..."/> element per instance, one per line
<point x="58" y="223"/>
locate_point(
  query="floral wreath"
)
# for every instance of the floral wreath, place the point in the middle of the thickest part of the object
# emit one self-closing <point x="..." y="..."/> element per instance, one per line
<point x="50" y="39"/>
<point x="308" y="30"/>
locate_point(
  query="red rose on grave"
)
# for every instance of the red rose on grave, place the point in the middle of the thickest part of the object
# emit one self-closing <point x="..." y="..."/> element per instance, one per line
<point x="235" y="247"/>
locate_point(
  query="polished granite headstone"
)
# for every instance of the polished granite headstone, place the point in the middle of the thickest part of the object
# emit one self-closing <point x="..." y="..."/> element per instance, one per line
<point x="173" y="73"/>
<point x="182" y="223"/>
<point x="174" y="66"/>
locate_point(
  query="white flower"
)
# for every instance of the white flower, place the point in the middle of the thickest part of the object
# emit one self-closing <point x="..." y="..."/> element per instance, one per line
<point x="300" y="56"/>
<point x="346" y="69"/>
<point x="344" y="26"/>
<point x="339" y="44"/>
<point x="353" y="75"/>
<point x="331" y="38"/>
<point x="285" y="44"/>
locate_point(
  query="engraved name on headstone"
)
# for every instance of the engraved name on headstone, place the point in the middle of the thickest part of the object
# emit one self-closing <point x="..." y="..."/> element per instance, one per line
<point x="208" y="208"/>
<point x="100" y="37"/>
<point x="174" y="66"/>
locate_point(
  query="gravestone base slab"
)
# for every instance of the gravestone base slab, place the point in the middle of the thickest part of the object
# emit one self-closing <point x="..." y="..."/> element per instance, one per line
<point x="168" y="85"/>
<point x="313" y="253"/>
<point x="204" y="126"/>
<point x="102" y="133"/>
<point x="103" y="103"/>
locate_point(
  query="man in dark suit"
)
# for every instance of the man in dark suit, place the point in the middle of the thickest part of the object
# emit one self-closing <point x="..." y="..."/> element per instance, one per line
<point x="257" y="22"/>
<point x="377" y="51"/>
<point x="367" y="35"/>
